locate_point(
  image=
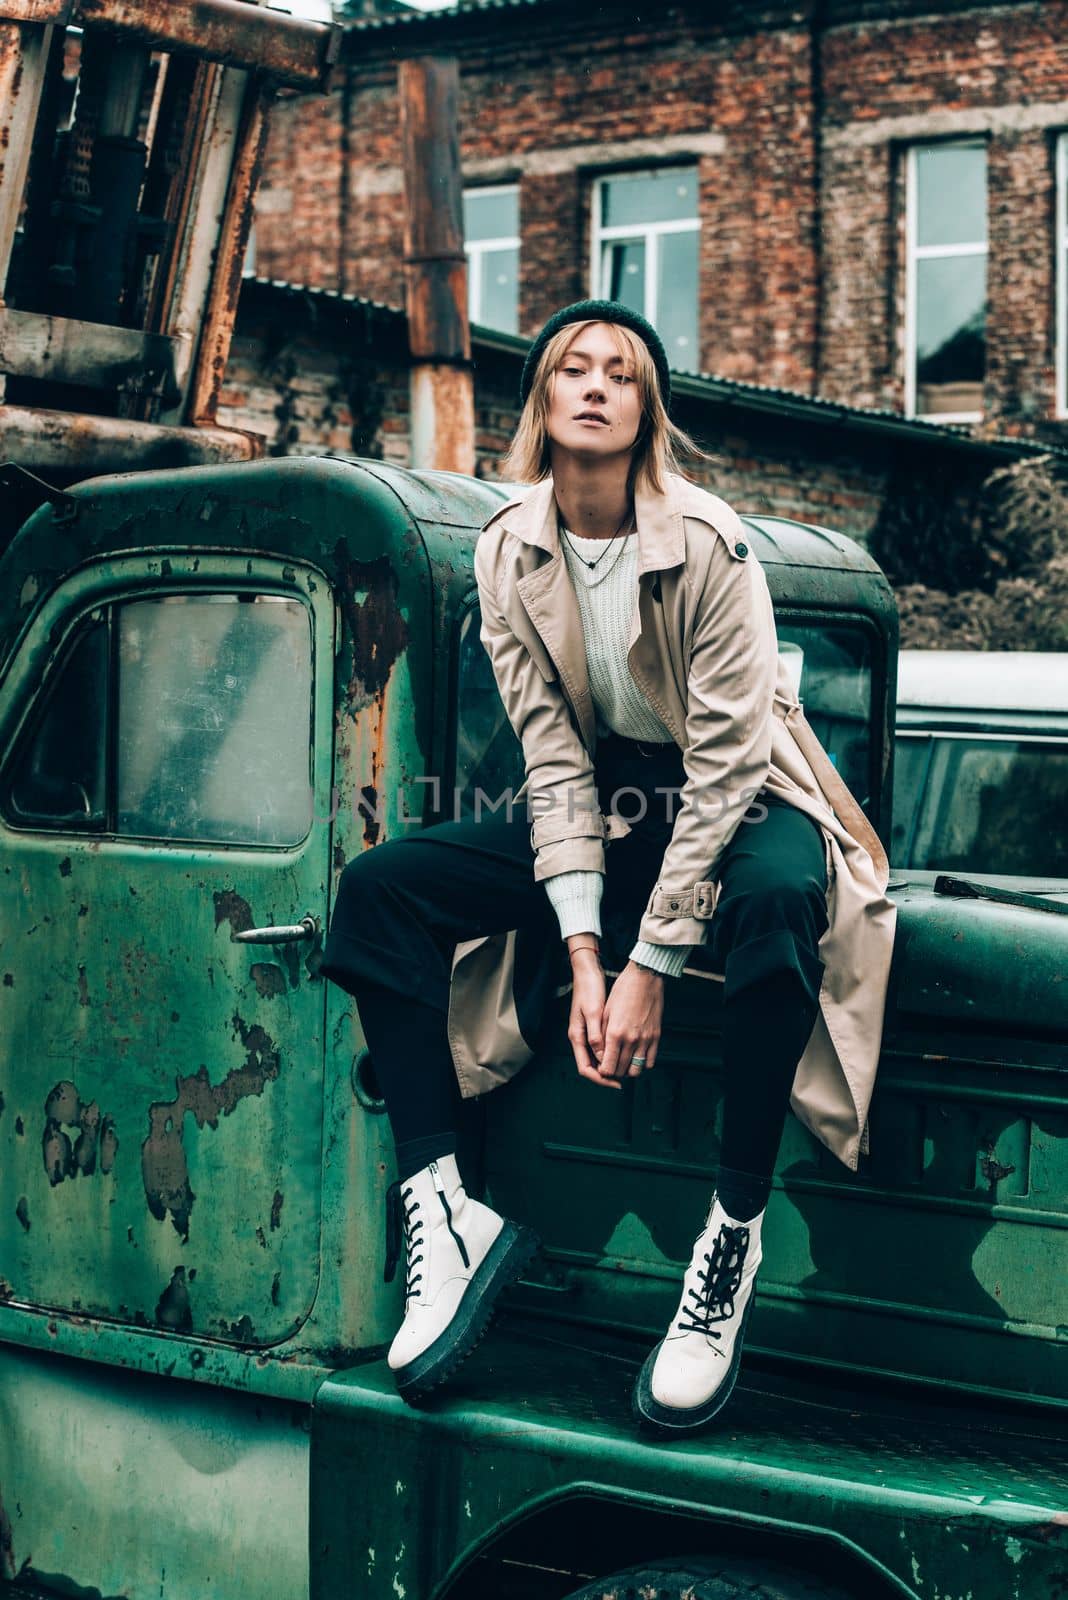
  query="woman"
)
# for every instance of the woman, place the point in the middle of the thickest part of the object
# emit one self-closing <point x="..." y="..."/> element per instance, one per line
<point x="683" y="715"/>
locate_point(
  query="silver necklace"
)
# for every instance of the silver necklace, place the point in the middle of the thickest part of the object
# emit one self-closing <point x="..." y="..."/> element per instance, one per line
<point x="602" y="577"/>
<point x="591" y="564"/>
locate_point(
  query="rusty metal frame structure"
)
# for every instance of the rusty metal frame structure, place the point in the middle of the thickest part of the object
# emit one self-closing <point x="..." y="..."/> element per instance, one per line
<point x="170" y="369"/>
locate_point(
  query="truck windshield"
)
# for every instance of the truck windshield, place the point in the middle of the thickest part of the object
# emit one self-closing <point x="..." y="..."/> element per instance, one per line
<point x="981" y="804"/>
<point x="831" y="663"/>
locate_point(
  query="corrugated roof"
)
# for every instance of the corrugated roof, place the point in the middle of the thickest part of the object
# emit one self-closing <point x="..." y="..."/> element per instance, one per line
<point x="732" y="392"/>
<point x="444" y="13"/>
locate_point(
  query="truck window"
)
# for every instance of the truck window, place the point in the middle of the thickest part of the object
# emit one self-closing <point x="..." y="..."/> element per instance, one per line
<point x="835" y="688"/>
<point x="835" y="691"/>
<point x="184" y="717"/>
<point x="997" y="805"/>
<point x="488" y="754"/>
<point x="58" y="778"/>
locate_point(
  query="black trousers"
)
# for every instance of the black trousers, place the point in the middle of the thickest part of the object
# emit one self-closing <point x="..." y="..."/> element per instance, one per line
<point x="403" y="906"/>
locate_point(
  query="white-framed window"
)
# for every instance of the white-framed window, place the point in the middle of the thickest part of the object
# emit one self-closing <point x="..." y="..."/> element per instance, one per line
<point x="1062" y="275"/>
<point x="644" y="252"/>
<point x="491" y="240"/>
<point x="945" y="283"/>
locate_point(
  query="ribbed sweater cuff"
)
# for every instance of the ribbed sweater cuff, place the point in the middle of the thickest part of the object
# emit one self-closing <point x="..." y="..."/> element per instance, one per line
<point x="666" y="958"/>
<point x="576" y="899"/>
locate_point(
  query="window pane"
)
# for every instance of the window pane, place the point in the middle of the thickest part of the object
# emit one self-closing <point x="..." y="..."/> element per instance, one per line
<point x="500" y="290"/>
<point x="58" y="780"/>
<point x="676" y="299"/>
<point x="951" y="195"/>
<point x="910" y="766"/>
<point x="624" y="273"/>
<point x="644" y="197"/>
<point x="488" y="754"/>
<point x="214" y="719"/>
<point x="491" y="215"/>
<point x="836" y="695"/>
<point x="950" y="333"/>
<point x="995" y="805"/>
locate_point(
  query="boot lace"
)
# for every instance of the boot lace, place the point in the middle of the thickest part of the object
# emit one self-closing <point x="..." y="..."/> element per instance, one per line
<point x="402" y="1217"/>
<point x="718" y="1282"/>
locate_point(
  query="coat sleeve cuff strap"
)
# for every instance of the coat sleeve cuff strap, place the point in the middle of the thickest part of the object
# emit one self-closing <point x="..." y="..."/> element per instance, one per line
<point x="699" y="901"/>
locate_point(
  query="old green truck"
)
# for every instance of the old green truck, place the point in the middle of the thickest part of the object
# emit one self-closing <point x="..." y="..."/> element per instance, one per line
<point x="219" y="683"/>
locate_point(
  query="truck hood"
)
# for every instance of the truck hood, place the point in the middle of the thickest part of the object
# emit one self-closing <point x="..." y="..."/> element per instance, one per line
<point x="978" y="963"/>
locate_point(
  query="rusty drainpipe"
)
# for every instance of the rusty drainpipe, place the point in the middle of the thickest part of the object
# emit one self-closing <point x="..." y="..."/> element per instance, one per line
<point x="435" y="268"/>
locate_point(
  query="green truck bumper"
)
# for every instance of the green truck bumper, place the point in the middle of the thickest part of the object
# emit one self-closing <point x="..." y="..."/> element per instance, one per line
<point x="531" y="1456"/>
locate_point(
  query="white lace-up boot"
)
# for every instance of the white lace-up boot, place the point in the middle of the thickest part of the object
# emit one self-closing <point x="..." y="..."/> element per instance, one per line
<point x="689" y="1377"/>
<point x="460" y="1254"/>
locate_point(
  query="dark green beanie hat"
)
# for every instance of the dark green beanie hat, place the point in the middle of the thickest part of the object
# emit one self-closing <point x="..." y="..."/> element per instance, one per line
<point x="598" y="311"/>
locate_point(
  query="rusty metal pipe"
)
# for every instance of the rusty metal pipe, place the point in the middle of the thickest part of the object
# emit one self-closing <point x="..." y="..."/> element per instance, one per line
<point x="292" y="50"/>
<point x="221" y="310"/>
<point x="435" y="267"/>
<point x="75" y="445"/>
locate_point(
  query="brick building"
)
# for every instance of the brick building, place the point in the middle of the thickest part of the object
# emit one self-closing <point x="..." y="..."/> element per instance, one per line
<point x="857" y="201"/>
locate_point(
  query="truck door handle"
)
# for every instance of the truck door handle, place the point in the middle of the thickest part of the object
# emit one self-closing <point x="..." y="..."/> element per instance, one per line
<point x="306" y="928"/>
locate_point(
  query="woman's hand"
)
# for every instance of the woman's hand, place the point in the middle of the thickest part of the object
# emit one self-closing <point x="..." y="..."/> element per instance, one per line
<point x="633" y="1015"/>
<point x="585" y="1028"/>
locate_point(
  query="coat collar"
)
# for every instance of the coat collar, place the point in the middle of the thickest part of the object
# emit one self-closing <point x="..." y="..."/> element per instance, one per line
<point x="661" y="535"/>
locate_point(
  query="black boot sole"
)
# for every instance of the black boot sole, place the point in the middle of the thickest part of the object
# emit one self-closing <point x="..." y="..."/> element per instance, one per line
<point x="510" y="1252"/>
<point x="671" y="1422"/>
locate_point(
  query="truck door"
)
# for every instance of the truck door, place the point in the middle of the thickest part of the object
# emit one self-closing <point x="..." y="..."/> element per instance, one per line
<point x="165" y="744"/>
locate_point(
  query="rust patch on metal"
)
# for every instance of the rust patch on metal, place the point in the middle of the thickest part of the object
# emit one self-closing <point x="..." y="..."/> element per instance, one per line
<point x="269" y="979"/>
<point x="276" y="1210"/>
<point x="64" y="867"/>
<point x="9" y="980"/>
<point x="83" y="987"/>
<point x="369" y="806"/>
<point x="992" y="1169"/>
<point x="20" y="1127"/>
<point x="231" y="908"/>
<point x="22" y="1211"/>
<point x="242" y="1331"/>
<point x="163" y="1164"/>
<point x="275" y="1282"/>
<point x="173" y="1309"/>
<point x="377" y="631"/>
<point x="96" y="1138"/>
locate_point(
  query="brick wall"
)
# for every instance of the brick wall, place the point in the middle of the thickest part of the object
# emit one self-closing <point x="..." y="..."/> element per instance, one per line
<point x="998" y="71"/>
<point x="799" y="136"/>
<point x="677" y="88"/>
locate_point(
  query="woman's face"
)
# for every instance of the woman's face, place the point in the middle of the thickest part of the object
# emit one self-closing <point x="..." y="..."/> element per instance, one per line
<point x="594" y="408"/>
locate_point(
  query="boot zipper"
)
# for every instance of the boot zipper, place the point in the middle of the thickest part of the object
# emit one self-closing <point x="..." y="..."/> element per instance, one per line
<point x="439" y="1185"/>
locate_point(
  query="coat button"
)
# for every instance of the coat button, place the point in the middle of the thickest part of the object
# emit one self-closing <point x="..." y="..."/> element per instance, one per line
<point x="674" y="905"/>
<point x="741" y="549"/>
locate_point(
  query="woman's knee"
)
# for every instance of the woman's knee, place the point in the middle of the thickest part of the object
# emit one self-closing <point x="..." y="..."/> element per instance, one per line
<point x="795" y="907"/>
<point x="373" y="872"/>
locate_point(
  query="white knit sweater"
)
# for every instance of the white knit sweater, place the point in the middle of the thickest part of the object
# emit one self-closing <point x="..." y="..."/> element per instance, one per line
<point x="606" y="599"/>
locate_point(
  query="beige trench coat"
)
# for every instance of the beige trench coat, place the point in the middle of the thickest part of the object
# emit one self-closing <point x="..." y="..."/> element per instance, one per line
<point x="702" y="649"/>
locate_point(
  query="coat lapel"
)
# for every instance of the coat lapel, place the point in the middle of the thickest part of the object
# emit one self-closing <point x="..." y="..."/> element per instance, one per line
<point x="550" y="602"/>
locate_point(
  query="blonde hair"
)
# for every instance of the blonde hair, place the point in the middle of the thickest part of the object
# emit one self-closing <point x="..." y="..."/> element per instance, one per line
<point x="659" y="442"/>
